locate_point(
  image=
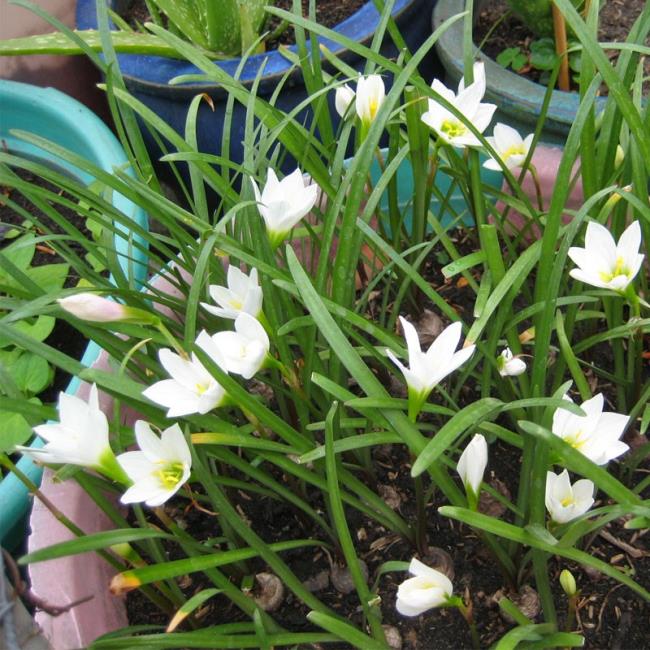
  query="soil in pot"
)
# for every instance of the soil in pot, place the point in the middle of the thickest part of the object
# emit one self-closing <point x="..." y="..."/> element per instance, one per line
<point x="495" y="33"/>
<point x="609" y="614"/>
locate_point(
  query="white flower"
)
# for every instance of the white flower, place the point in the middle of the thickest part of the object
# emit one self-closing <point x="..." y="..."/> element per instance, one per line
<point x="284" y="203"/>
<point x="511" y="148"/>
<point x="605" y="264"/>
<point x="243" y="293"/>
<point x="564" y="501"/>
<point x="370" y="96"/>
<point x="159" y="469"/>
<point x="343" y="98"/>
<point x="596" y="434"/>
<point x="510" y="366"/>
<point x="472" y="463"/>
<point x="468" y="102"/>
<point x="243" y="351"/>
<point x="426" y="369"/>
<point x="191" y="389"/>
<point x="427" y="589"/>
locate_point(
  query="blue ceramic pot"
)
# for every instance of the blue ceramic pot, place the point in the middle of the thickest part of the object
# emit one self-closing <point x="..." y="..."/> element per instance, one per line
<point x="50" y="114"/>
<point x="147" y="77"/>
<point x="519" y="100"/>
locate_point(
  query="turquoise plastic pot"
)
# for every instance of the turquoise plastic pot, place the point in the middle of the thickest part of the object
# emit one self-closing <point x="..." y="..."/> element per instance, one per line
<point x="50" y="114"/>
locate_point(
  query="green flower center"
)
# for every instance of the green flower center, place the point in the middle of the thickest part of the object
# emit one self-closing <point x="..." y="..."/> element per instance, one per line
<point x="620" y="268"/>
<point x="514" y="150"/>
<point x="170" y="475"/>
<point x="453" y="128"/>
<point x="567" y="501"/>
<point x="576" y="440"/>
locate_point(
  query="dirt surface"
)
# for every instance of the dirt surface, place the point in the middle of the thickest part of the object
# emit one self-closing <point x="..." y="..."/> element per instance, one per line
<point x="616" y="18"/>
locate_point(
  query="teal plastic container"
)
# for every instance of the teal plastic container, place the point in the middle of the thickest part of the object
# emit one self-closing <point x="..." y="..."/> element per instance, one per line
<point x="51" y="114"/>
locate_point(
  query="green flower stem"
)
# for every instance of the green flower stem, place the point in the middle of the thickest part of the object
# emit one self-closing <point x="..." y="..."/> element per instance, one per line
<point x="420" y="514"/>
<point x="538" y="186"/>
<point x="466" y="612"/>
<point x="160" y="326"/>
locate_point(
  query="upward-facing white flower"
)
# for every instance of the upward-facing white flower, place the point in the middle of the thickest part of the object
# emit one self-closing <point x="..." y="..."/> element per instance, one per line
<point x="509" y="365"/>
<point x="511" y="148"/>
<point x="159" y="469"/>
<point x="370" y="96"/>
<point x="426" y="369"/>
<point x="343" y="98"/>
<point x="79" y="438"/>
<point x="191" y="389"/>
<point x="596" y="434"/>
<point x="564" y="501"/>
<point x="243" y="351"/>
<point x="427" y="589"/>
<point x="468" y="102"/>
<point x="604" y="263"/>
<point x="472" y="463"/>
<point x="284" y="203"/>
<point x="243" y="293"/>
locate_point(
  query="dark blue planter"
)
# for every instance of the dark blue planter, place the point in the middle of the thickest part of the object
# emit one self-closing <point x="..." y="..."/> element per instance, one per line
<point x="147" y="77"/>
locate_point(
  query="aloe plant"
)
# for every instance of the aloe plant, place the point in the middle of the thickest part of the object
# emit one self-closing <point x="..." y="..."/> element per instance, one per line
<point x="537" y="14"/>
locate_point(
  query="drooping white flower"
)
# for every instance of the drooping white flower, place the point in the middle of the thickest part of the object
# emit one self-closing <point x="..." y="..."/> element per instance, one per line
<point x="509" y="365"/>
<point x="472" y="463"/>
<point x="564" y="501"/>
<point x="159" y="469"/>
<point x="343" y="98"/>
<point x="426" y="369"/>
<point x="95" y="309"/>
<point x="79" y="438"/>
<point x="242" y="352"/>
<point x="243" y="293"/>
<point x="369" y="97"/>
<point x="605" y="264"/>
<point x="191" y="389"/>
<point x="511" y="148"/>
<point x="596" y="434"/>
<point x="284" y="203"/>
<point x="468" y="102"/>
<point x="427" y="589"/>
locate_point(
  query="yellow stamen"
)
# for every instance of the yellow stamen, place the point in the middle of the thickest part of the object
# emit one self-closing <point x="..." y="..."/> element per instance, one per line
<point x="453" y="128"/>
<point x="170" y="475"/>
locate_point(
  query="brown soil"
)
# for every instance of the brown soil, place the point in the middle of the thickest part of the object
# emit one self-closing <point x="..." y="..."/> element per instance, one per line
<point x="615" y="21"/>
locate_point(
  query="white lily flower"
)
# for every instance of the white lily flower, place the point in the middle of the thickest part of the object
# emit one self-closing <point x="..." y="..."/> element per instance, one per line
<point x="369" y="97"/>
<point x="191" y="389"/>
<point x="564" y="501"/>
<point x="242" y="352"/>
<point x="427" y="369"/>
<point x="343" y="98"/>
<point x="472" y="463"/>
<point x="243" y="293"/>
<point x="79" y="438"/>
<point x="605" y="264"/>
<point x="596" y="434"/>
<point x="468" y="102"/>
<point x="159" y="469"/>
<point x="427" y="589"/>
<point x="284" y="203"/>
<point x="509" y="365"/>
<point x="511" y="148"/>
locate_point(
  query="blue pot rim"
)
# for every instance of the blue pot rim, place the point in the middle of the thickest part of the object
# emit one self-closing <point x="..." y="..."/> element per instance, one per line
<point x="155" y="72"/>
<point x="107" y="153"/>
<point x="512" y="93"/>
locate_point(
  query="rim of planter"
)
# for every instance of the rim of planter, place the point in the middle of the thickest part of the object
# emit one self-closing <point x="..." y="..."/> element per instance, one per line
<point x="151" y="74"/>
<point x="53" y="115"/>
<point x="517" y="97"/>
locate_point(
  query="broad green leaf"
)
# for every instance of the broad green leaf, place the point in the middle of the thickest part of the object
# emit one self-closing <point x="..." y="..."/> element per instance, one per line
<point x="50" y="277"/>
<point x="14" y="430"/>
<point x="31" y="373"/>
<point x="19" y="253"/>
<point x="40" y="329"/>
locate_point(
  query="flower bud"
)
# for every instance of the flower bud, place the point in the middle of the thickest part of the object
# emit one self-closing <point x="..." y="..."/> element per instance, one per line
<point x="568" y="583"/>
<point x="619" y="157"/>
<point x="95" y="309"/>
<point x="343" y="98"/>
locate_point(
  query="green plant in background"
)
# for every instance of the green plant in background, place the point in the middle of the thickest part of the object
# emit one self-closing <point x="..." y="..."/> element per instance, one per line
<point x="538" y="14"/>
<point x="283" y="390"/>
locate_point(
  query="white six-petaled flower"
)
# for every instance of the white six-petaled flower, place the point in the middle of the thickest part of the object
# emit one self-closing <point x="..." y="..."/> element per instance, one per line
<point x="596" y="434"/>
<point x="343" y="98"/>
<point x="79" y="438"/>
<point x="427" y="589"/>
<point x="159" y="469"/>
<point x="242" y="352"/>
<point x="564" y="501"/>
<point x="511" y="148"/>
<point x="509" y="365"/>
<point x="243" y="293"/>
<point x="605" y="264"/>
<point x="369" y="97"/>
<point x="472" y="463"/>
<point x="283" y="203"/>
<point x="191" y="389"/>
<point x="467" y="102"/>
